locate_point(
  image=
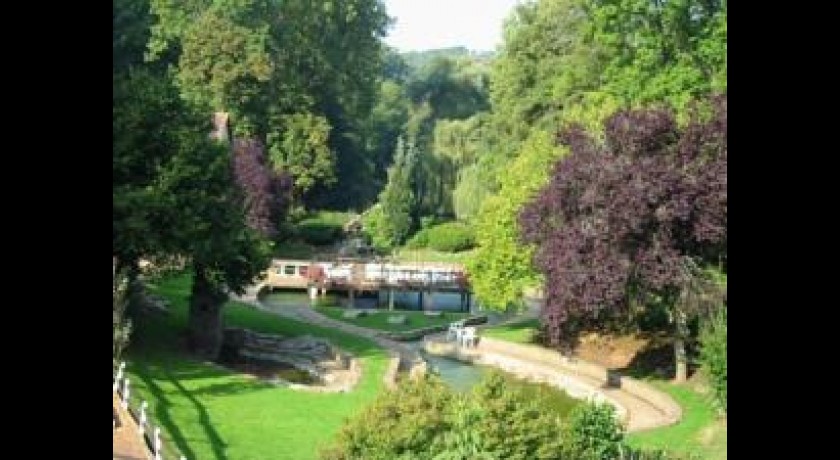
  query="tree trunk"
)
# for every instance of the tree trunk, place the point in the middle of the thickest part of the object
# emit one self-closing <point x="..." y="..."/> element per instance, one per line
<point x="680" y="357"/>
<point x="205" y="321"/>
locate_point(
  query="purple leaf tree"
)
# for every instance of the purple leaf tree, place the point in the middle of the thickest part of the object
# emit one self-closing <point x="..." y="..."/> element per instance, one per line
<point x="635" y="216"/>
<point x="265" y="192"/>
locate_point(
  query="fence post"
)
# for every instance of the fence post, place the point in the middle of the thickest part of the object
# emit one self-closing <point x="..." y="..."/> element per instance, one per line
<point x="157" y="443"/>
<point x="142" y="418"/>
<point x="119" y="375"/>
<point x="126" y="393"/>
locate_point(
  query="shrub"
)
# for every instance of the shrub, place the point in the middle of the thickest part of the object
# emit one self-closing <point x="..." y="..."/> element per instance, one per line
<point x="502" y="418"/>
<point x="428" y="221"/>
<point x="419" y="240"/>
<point x="595" y="432"/>
<point x="713" y="355"/>
<point x="516" y="422"/>
<point x="319" y="234"/>
<point x="463" y="441"/>
<point x="323" y="228"/>
<point x="446" y="237"/>
<point x="400" y="424"/>
<point x="376" y="229"/>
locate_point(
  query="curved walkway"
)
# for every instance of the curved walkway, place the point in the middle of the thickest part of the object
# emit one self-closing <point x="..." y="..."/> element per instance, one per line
<point x="308" y="315"/>
<point x="643" y="406"/>
<point x="128" y="445"/>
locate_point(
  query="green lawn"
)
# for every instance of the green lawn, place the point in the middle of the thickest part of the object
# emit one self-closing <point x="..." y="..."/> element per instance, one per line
<point x="210" y="413"/>
<point x="517" y="332"/>
<point x="379" y="320"/>
<point x="700" y="432"/>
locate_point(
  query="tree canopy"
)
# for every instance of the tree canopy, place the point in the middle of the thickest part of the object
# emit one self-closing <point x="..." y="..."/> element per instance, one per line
<point x="298" y="77"/>
<point x="502" y="268"/>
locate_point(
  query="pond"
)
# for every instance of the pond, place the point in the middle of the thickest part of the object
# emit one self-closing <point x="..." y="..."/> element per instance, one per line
<point x="462" y="377"/>
<point x="457" y="375"/>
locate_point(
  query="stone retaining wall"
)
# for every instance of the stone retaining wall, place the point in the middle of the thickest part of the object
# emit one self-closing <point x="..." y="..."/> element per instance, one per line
<point x="671" y="410"/>
<point x="535" y="370"/>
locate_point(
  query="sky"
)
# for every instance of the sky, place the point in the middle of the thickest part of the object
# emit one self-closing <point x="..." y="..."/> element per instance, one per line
<point x="430" y="24"/>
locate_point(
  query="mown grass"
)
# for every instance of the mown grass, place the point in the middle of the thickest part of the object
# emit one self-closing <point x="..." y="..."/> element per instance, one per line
<point x="208" y="412"/>
<point x="379" y="320"/>
<point x="700" y="432"/>
<point x="517" y="332"/>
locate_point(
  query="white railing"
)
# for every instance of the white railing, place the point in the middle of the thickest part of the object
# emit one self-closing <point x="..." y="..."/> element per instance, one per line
<point x="390" y="273"/>
<point x="122" y="385"/>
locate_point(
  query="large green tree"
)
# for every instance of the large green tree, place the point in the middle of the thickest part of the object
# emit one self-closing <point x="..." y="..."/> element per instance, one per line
<point x="387" y="121"/>
<point x="672" y="51"/>
<point x="225" y="254"/>
<point x="173" y="191"/>
<point x="501" y="268"/>
<point x="397" y="200"/>
<point x="303" y="152"/>
<point x="174" y="194"/>
<point x="265" y="61"/>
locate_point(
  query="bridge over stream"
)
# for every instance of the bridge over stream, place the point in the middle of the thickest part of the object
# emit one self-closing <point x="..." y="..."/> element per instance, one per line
<point x="359" y="277"/>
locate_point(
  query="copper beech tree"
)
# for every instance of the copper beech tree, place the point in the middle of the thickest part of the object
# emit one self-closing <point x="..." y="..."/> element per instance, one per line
<point x="636" y="217"/>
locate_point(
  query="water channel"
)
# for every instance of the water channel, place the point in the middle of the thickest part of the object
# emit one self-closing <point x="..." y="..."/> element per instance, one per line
<point x="459" y="376"/>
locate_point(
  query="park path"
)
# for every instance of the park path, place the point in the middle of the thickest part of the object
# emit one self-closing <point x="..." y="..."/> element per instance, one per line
<point x="645" y="406"/>
<point x="127" y="442"/>
<point x="306" y="314"/>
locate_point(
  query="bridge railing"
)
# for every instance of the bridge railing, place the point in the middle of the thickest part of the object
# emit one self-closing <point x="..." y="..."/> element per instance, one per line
<point x="342" y="273"/>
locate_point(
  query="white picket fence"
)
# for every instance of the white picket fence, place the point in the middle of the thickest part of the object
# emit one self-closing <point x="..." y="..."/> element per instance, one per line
<point x="122" y="385"/>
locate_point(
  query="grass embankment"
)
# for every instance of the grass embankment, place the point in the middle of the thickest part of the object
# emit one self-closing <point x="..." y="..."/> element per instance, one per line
<point x="700" y="433"/>
<point x="516" y="332"/>
<point x="379" y="319"/>
<point x="211" y="413"/>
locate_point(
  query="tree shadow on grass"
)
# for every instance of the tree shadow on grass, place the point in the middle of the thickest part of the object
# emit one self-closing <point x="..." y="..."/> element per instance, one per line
<point x="183" y="371"/>
<point x="162" y="406"/>
<point x="216" y="442"/>
<point x="655" y="360"/>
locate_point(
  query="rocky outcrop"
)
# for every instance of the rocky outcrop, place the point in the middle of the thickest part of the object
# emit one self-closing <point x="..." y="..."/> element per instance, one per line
<point x="331" y="368"/>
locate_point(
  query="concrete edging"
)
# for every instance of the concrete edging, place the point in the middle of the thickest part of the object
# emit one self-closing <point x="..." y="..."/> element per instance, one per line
<point x="661" y="401"/>
<point x="390" y="377"/>
<point x="583" y="380"/>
